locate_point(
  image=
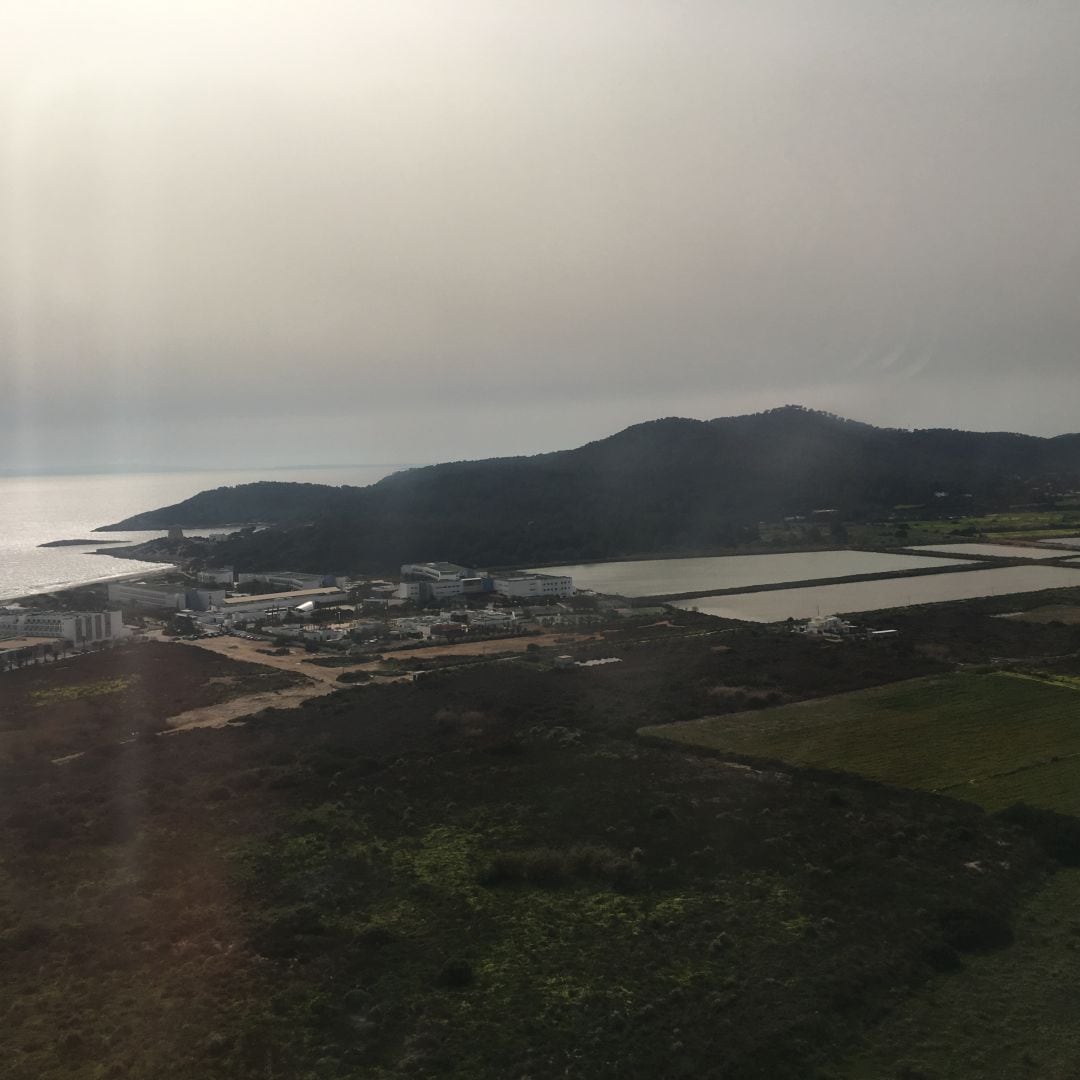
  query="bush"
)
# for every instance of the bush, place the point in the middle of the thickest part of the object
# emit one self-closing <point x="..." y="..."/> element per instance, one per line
<point x="975" y="929"/>
<point x="354" y="677"/>
<point x="1057" y="834"/>
<point x="455" y="973"/>
<point x="550" y="868"/>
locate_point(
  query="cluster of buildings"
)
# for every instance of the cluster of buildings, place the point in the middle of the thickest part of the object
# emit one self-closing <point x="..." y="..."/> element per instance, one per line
<point x="219" y="601"/>
<point x="423" y="582"/>
<point x="216" y="605"/>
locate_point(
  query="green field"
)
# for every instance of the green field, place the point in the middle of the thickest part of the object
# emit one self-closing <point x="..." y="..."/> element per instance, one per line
<point x="994" y="739"/>
<point x="1008" y="1014"/>
<point x="1004" y="526"/>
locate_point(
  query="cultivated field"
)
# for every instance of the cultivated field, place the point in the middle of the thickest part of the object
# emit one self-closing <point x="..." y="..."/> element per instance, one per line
<point x="993" y="738"/>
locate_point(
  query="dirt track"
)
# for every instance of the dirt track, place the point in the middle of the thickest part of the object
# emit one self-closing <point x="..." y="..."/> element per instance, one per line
<point x="324" y="680"/>
<point x="319" y="682"/>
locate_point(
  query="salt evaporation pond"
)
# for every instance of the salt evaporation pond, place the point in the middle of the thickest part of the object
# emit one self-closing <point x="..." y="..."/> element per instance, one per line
<point x="805" y="603"/>
<point x="669" y="577"/>
<point x="999" y="551"/>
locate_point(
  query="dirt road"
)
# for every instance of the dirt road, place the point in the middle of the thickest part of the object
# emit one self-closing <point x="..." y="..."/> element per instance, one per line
<point x="320" y="681"/>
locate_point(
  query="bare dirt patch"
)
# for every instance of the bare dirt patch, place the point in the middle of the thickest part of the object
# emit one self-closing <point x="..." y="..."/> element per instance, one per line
<point x="64" y="707"/>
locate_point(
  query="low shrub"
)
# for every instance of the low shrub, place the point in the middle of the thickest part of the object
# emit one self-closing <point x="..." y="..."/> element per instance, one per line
<point x="1057" y="834"/>
<point x="551" y="868"/>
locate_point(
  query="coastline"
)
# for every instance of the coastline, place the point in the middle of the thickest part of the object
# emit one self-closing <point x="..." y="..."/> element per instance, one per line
<point x="61" y="587"/>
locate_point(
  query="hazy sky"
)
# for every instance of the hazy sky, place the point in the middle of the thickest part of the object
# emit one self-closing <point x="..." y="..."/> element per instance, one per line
<point x="258" y="231"/>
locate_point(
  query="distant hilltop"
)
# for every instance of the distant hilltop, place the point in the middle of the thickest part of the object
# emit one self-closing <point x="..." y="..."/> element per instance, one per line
<point x="666" y="485"/>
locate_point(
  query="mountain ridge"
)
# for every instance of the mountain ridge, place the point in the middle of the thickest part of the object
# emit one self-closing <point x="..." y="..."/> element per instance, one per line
<point x="663" y="485"/>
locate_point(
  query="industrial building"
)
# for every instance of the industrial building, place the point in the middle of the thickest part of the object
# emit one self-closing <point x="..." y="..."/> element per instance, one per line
<point x="163" y="597"/>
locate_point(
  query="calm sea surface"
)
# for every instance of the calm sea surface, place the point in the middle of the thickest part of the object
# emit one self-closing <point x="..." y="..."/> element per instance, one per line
<point x="665" y="577"/>
<point x="36" y="509"/>
<point x="894" y="592"/>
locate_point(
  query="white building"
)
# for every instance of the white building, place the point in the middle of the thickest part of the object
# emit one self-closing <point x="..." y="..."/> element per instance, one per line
<point x="533" y="585"/>
<point x="829" y="626"/>
<point x="78" y="627"/>
<point x="139" y="594"/>
<point x="445" y="589"/>
<point x="436" y="571"/>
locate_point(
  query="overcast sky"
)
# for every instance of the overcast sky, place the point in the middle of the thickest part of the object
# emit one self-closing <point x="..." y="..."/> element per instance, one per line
<point x="282" y="232"/>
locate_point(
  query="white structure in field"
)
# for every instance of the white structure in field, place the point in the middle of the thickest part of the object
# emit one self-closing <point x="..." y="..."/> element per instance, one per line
<point x="533" y="585"/>
<point x="78" y="627"/>
<point x="829" y="626"/>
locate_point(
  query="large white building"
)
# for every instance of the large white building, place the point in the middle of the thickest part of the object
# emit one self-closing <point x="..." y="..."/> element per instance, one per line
<point x="436" y="571"/>
<point x="422" y="591"/>
<point x="78" y="627"/>
<point x="533" y="585"/>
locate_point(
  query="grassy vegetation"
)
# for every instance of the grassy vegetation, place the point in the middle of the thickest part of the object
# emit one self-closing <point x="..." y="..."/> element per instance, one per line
<point x="57" y="694"/>
<point x="470" y="896"/>
<point x="1067" y="614"/>
<point x="993" y="738"/>
<point x="480" y="875"/>
<point x="1004" y="1017"/>
<point x="478" y="878"/>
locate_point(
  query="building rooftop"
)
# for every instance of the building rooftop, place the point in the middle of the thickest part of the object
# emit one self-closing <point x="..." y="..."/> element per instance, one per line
<point x="297" y="594"/>
<point x="441" y="567"/>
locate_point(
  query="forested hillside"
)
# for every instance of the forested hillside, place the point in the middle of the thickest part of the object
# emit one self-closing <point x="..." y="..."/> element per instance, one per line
<point x="663" y="486"/>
